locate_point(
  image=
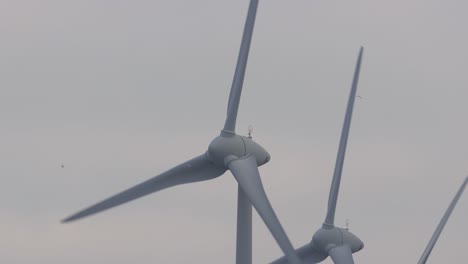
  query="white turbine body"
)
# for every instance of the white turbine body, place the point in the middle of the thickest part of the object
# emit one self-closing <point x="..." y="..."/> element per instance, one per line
<point x="329" y="240"/>
<point x="229" y="151"/>
<point x="339" y="243"/>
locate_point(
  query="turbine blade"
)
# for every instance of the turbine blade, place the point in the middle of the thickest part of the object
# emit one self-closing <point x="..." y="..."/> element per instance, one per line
<point x="335" y="186"/>
<point x="341" y="255"/>
<point x="238" y="81"/>
<point x="246" y="173"/>
<point x="306" y="253"/>
<point x="442" y="223"/>
<point x="244" y="229"/>
<point x="197" y="169"/>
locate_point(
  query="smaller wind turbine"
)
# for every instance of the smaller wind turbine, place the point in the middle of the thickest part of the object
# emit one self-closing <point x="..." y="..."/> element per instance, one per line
<point x="336" y="242"/>
<point x="442" y="223"/>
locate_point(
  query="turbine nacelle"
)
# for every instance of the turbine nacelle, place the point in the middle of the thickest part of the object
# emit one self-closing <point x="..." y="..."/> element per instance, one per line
<point x="228" y="147"/>
<point x="327" y="238"/>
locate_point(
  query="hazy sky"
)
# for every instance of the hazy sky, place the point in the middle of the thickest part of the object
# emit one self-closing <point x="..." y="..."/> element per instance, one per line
<point x="119" y="91"/>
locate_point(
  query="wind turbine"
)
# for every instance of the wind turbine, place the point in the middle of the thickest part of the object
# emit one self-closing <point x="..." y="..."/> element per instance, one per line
<point x="229" y="151"/>
<point x="442" y="223"/>
<point x="336" y="242"/>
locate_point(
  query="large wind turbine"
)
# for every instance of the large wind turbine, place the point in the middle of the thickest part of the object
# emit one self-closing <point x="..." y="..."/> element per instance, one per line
<point x="338" y="243"/>
<point x="442" y="223"/>
<point x="229" y="151"/>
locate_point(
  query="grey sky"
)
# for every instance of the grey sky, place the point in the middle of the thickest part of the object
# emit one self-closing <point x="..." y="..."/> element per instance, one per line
<point x="114" y="90"/>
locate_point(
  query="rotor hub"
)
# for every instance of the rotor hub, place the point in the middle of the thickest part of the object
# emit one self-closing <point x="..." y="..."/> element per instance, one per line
<point x="224" y="147"/>
<point x="327" y="238"/>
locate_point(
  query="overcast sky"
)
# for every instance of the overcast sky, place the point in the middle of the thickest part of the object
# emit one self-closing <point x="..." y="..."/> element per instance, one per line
<point x="119" y="91"/>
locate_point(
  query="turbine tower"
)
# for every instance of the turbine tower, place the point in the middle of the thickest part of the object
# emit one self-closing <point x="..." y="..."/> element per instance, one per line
<point x="336" y="242"/>
<point x="229" y="151"/>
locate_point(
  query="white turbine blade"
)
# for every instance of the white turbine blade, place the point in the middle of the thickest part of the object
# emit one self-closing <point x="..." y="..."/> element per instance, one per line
<point x="246" y="173"/>
<point x="197" y="169"/>
<point x="238" y="81"/>
<point x="306" y="253"/>
<point x="341" y="255"/>
<point x="335" y="186"/>
<point x="244" y="229"/>
<point x="442" y="223"/>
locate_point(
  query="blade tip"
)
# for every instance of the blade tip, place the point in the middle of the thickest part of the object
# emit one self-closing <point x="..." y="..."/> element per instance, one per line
<point x="70" y="219"/>
<point x="465" y="181"/>
<point x="66" y="220"/>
